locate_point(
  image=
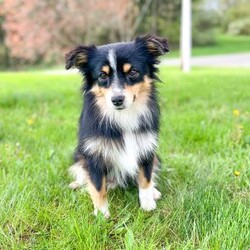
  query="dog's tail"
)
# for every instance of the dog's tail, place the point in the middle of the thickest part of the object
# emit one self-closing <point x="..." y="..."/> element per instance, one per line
<point x="78" y="172"/>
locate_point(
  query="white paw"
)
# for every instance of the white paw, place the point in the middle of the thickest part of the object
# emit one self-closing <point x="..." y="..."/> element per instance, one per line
<point x="74" y="185"/>
<point x="146" y="196"/>
<point x="106" y="213"/>
<point x="104" y="210"/>
<point x="148" y="204"/>
<point x="157" y="194"/>
<point x="79" y="174"/>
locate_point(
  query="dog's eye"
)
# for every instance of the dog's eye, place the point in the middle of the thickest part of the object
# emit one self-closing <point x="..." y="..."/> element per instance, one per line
<point x="103" y="76"/>
<point x="133" y="73"/>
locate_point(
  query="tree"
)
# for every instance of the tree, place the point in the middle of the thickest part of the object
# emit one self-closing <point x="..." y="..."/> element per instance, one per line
<point x="44" y="30"/>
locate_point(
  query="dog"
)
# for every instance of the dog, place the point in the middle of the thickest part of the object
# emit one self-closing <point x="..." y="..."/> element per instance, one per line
<point x="119" y="122"/>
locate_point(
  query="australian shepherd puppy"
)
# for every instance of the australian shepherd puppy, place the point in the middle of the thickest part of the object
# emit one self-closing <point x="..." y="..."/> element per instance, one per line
<point x="119" y="122"/>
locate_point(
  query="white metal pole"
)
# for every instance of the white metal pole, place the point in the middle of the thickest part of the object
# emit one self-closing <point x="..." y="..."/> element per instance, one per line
<point x="186" y="35"/>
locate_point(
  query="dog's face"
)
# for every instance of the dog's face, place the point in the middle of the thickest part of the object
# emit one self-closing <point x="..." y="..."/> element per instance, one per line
<point x="119" y="74"/>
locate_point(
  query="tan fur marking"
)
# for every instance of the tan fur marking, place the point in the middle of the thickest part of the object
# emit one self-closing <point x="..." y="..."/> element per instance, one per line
<point x="126" y="67"/>
<point x="99" y="198"/>
<point x="152" y="47"/>
<point x="81" y="59"/>
<point x="142" y="180"/>
<point x="140" y="90"/>
<point x="100" y="94"/>
<point x="106" y="69"/>
<point x="99" y="91"/>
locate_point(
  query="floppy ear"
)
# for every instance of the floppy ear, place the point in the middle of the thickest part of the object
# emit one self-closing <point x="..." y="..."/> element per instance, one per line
<point x="156" y="46"/>
<point x="78" y="57"/>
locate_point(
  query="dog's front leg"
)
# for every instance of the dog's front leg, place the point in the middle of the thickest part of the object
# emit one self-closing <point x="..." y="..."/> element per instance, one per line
<point x="98" y="190"/>
<point x="148" y="194"/>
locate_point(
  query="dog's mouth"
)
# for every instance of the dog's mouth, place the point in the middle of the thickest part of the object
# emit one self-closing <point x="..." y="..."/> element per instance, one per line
<point x="119" y="108"/>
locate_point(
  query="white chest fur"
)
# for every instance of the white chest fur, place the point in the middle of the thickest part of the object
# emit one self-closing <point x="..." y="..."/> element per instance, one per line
<point x="136" y="146"/>
<point x="124" y="160"/>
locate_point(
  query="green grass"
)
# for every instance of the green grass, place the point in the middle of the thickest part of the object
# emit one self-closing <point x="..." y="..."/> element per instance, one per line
<point x="225" y="44"/>
<point x="202" y="143"/>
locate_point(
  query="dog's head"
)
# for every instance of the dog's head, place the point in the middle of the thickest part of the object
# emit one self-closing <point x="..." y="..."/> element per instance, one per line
<point x="119" y="74"/>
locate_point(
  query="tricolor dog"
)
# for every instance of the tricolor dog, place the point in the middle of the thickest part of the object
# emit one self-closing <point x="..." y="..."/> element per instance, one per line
<point x="119" y="122"/>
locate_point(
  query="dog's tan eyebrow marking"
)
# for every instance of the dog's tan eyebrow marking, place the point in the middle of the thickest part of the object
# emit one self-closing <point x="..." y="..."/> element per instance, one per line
<point x="106" y="69"/>
<point x="126" y="67"/>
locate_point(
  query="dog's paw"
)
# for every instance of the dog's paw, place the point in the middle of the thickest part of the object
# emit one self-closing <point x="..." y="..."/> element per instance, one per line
<point x="146" y="197"/>
<point x="74" y="185"/>
<point x="157" y="194"/>
<point x="103" y="210"/>
<point x="148" y="204"/>
<point x="106" y="213"/>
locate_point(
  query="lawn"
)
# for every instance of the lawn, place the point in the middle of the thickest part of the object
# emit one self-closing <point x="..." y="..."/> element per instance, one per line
<point x="225" y="44"/>
<point x="205" y="178"/>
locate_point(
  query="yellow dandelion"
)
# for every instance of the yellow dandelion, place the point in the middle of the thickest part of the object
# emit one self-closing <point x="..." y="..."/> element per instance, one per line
<point x="236" y="112"/>
<point x="30" y="121"/>
<point x="236" y="173"/>
<point x="241" y="127"/>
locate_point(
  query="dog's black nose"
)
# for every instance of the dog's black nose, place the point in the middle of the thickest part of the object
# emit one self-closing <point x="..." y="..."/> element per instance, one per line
<point x="118" y="100"/>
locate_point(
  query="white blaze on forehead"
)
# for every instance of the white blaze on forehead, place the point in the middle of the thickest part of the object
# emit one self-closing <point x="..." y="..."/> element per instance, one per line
<point x="117" y="90"/>
<point x="112" y="59"/>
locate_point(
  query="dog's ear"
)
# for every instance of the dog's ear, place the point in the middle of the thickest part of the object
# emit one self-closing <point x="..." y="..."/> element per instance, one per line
<point x="156" y="46"/>
<point x="78" y="57"/>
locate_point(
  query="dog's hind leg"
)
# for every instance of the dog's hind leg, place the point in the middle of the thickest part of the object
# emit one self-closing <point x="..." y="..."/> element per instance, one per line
<point x="78" y="172"/>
